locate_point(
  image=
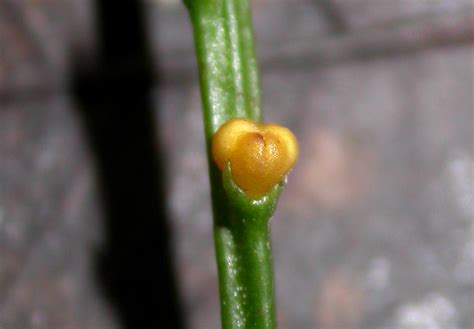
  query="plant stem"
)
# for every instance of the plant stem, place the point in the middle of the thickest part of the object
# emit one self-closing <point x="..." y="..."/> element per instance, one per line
<point x="230" y="88"/>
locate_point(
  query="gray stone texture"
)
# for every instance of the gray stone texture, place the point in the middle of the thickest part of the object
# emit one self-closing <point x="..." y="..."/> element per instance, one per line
<point x="375" y="229"/>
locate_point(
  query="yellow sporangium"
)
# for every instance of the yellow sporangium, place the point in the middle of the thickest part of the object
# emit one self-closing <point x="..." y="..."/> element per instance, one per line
<point x="260" y="155"/>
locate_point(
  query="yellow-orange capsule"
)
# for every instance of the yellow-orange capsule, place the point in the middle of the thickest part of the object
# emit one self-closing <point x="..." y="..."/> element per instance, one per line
<point x="260" y="155"/>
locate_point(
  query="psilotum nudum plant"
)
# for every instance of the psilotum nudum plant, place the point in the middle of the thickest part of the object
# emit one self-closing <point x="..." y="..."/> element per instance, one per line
<point x="248" y="160"/>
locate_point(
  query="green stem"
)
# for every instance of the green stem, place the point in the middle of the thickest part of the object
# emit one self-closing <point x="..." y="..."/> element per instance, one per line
<point x="230" y="88"/>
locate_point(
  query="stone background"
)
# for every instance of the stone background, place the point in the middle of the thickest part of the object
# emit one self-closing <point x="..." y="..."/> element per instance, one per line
<point x="104" y="199"/>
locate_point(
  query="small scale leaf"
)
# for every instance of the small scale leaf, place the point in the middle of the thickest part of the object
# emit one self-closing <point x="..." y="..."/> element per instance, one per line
<point x="261" y="208"/>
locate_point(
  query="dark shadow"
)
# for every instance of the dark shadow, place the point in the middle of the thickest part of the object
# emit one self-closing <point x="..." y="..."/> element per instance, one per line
<point x="334" y="15"/>
<point x="134" y="265"/>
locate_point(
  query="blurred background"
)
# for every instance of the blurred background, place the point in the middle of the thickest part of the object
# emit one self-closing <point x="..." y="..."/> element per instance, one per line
<point x="104" y="196"/>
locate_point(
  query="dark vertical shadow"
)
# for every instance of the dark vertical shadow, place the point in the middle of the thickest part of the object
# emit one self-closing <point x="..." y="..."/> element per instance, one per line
<point x="134" y="266"/>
